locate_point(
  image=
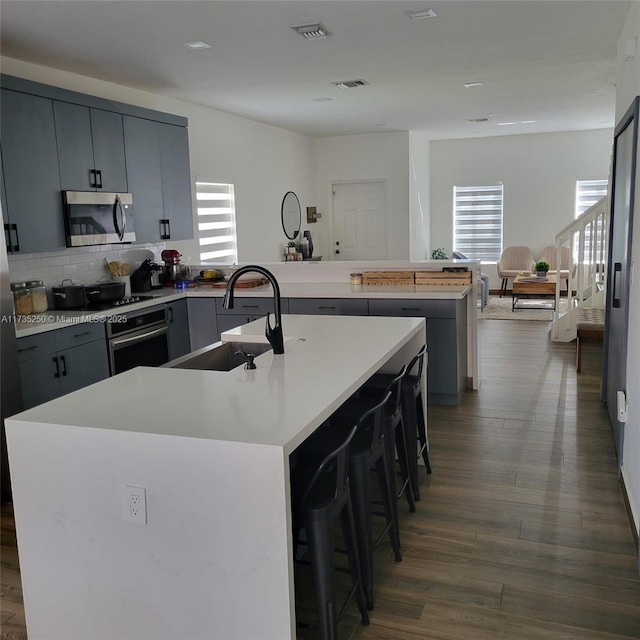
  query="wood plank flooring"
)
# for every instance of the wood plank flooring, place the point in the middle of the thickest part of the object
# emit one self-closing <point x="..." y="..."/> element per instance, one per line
<point x="521" y="533"/>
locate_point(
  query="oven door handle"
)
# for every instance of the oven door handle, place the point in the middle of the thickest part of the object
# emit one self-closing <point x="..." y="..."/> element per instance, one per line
<point x="138" y="337"/>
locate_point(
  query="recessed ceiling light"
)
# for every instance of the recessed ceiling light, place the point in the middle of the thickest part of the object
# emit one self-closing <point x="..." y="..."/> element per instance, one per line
<point x="419" y="14"/>
<point x="350" y="84"/>
<point x="196" y="46"/>
<point x="469" y="85"/>
<point x="323" y="99"/>
<point x="313" y="31"/>
<point x="527" y="121"/>
<point x="504" y="124"/>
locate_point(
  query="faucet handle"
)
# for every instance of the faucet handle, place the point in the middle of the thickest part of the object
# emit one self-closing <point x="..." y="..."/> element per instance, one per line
<point x="249" y="364"/>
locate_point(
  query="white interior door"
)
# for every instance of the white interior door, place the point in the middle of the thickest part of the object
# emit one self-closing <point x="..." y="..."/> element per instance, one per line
<point x="360" y="221"/>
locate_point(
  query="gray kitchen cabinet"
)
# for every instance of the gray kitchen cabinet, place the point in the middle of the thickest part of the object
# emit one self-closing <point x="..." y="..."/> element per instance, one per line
<point x="250" y="306"/>
<point x="227" y="322"/>
<point x="203" y="324"/>
<point x="176" y="182"/>
<point x="159" y="178"/>
<point x="329" y="306"/>
<point x="61" y="361"/>
<point x="179" y="344"/>
<point x="446" y="342"/>
<point x="3" y="204"/>
<point x="90" y="148"/>
<point x="31" y="175"/>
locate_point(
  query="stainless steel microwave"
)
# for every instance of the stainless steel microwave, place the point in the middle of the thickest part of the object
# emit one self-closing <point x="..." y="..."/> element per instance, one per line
<point x="94" y="217"/>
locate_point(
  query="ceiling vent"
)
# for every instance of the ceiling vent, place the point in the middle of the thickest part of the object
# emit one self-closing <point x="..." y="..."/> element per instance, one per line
<point x="314" y="31"/>
<point x="420" y="14"/>
<point x="478" y="119"/>
<point x="350" y="84"/>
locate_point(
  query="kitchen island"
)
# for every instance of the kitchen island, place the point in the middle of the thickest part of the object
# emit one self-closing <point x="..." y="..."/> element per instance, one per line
<point x="209" y="454"/>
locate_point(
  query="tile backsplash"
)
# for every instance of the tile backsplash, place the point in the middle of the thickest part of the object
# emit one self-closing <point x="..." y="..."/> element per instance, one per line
<point x="83" y="265"/>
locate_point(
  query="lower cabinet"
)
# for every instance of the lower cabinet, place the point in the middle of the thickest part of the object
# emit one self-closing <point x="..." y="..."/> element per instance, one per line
<point x="179" y="344"/>
<point x="246" y="309"/>
<point x="58" y="362"/>
<point x="446" y="342"/>
<point x="329" y="306"/>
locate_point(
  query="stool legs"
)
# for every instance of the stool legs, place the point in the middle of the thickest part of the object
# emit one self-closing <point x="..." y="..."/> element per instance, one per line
<point x="422" y="433"/>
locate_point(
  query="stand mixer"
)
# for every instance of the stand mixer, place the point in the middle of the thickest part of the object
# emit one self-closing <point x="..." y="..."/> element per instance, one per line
<point x="172" y="267"/>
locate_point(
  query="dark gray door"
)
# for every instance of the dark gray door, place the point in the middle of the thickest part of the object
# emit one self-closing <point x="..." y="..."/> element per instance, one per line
<point x="83" y="365"/>
<point x="38" y="379"/>
<point x="144" y="176"/>
<point x="107" y="134"/>
<point x="621" y="225"/>
<point x="75" y="148"/>
<point x="176" y="181"/>
<point x="31" y="175"/>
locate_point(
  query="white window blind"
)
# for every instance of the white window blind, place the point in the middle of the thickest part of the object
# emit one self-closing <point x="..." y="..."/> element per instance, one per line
<point x="216" y="222"/>
<point x="477" y="213"/>
<point x="588" y="192"/>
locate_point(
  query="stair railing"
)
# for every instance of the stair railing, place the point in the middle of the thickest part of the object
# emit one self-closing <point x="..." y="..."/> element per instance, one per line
<point x="587" y="238"/>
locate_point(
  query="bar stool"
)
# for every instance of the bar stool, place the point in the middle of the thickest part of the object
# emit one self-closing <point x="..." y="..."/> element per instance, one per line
<point x="368" y="450"/>
<point x="394" y="432"/>
<point x="413" y="409"/>
<point x="320" y="495"/>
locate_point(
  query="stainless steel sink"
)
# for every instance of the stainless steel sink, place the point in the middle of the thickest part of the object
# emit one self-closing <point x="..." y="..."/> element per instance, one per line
<point x="220" y="356"/>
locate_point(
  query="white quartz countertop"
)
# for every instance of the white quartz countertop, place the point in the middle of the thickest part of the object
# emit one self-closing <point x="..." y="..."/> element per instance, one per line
<point x="280" y="403"/>
<point x="56" y="319"/>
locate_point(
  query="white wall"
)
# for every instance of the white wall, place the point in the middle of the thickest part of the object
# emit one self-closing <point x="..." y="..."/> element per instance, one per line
<point x="419" y="196"/>
<point x="263" y="162"/>
<point x="627" y="88"/>
<point x="376" y="156"/>
<point x="539" y="173"/>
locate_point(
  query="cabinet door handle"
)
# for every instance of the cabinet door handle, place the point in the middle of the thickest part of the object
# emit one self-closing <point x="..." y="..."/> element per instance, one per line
<point x="7" y="237"/>
<point x="98" y="179"/>
<point x="16" y="246"/>
<point x="332" y="308"/>
<point x="170" y="312"/>
<point x="79" y="335"/>
<point x="64" y="365"/>
<point x="57" y="373"/>
<point x="92" y="178"/>
<point x="168" y="227"/>
<point x="249" y="306"/>
<point x="617" y="269"/>
<point x="31" y="348"/>
<point x="409" y="309"/>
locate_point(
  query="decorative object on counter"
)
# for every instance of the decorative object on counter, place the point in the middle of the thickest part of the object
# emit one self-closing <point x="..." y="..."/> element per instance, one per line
<point x="307" y="235"/>
<point x="388" y="277"/>
<point x="304" y="248"/>
<point x="439" y="254"/>
<point x="313" y="215"/>
<point x="38" y="293"/>
<point x="443" y="278"/>
<point x="541" y="268"/>
<point x="68" y="296"/>
<point x="355" y="278"/>
<point x="290" y="215"/>
<point x="21" y="298"/>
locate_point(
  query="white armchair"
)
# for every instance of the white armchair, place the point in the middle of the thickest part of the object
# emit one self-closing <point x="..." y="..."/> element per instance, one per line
<point x="512" y="261"/>
<point x="568" y="265"/>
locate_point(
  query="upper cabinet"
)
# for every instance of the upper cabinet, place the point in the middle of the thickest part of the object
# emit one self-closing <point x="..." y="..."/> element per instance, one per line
<point x="55" y="140"/>
<point x="159" y="179"/>
<point x="33" y="218"/>
<point x="90" y="148"/>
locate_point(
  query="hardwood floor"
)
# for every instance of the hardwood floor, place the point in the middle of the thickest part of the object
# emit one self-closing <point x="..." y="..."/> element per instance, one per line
<point x="521" y="533"/>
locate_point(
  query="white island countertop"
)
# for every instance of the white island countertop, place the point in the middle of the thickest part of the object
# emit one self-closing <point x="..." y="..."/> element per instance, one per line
<point x="209" y="452"/>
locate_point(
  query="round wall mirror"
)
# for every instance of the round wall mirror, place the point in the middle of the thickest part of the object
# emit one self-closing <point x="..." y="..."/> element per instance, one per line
<point x="291" y="215"/>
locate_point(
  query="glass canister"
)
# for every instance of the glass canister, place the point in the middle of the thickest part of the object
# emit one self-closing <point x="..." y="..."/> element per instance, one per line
<point x="21" y="298"/>
<point x="38" y="296"/>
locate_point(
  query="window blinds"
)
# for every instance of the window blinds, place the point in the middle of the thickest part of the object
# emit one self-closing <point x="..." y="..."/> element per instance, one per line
<point x="216" y="222"/>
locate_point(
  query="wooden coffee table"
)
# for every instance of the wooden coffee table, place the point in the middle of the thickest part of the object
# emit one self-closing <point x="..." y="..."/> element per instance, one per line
<point x="526" y="287"/>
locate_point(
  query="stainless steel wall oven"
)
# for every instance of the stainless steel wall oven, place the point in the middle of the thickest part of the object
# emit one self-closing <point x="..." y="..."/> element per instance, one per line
<point x="140" y="338"/>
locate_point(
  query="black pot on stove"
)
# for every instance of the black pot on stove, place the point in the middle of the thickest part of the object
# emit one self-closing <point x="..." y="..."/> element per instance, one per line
<point x="104" y="292"/>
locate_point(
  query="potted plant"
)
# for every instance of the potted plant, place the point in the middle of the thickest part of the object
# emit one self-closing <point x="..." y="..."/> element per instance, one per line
<point x="541" y="268"/>
<point x="291" y="246"/>
<point x="439" y="254"/>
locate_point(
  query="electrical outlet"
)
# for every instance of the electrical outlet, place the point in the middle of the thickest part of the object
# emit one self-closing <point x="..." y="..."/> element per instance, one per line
<point x="135" y="504"/>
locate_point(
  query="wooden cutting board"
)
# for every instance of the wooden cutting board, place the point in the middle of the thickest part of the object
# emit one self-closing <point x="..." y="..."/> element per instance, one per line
<point x="242" y="283"/>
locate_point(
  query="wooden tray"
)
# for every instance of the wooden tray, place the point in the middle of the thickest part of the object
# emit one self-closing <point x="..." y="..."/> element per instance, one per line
<point x="388" y="278"/>
<point x="443" y="278"/>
